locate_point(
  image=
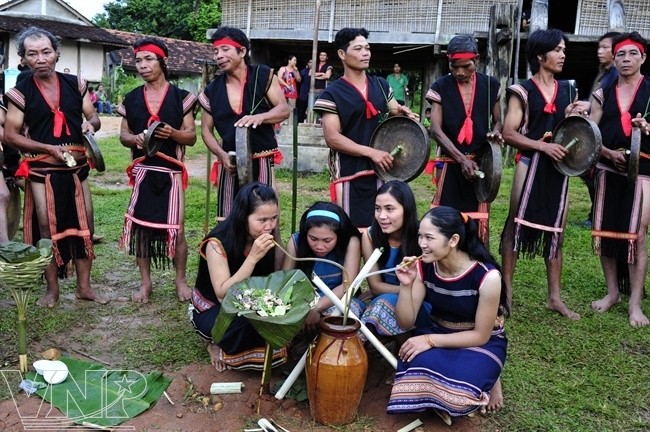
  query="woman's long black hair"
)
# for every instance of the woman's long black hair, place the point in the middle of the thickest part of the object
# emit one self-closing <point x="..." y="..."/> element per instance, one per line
<point x="343" y="228"/>
<point x="450" y="221"/>
<point x="409" y="233"/>
<point x="233" y="231"/>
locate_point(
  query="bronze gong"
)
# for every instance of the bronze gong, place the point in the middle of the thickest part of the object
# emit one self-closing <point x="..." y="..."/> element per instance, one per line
<point x="581" y="137"/>
<point x="488" y="178"/>
<point x="634" y="155"/>
<point x="151" y="143"/>
<point x="93" y="153"/>
<point x="244" y="157"/>
<point x="408" y="142"/>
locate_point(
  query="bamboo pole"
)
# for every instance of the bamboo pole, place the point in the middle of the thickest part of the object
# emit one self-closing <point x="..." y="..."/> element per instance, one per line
<point x="314" y="64"/>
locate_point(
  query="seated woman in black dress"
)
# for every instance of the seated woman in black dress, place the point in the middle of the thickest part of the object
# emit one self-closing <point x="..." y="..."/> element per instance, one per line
<point x="239" y="247"/>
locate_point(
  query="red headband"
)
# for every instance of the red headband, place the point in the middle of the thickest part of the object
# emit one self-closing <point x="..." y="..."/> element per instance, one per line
<point x="462" y="55"/>
<point x="629" y="41"/>
<point x="151" y="48"/>
<point x="226" y="41"/>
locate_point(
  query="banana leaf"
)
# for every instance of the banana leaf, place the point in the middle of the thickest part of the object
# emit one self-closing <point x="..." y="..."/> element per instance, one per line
<point x="18" y="252"/>
<point x="96" y="395"/>
<point x="277" y="331"/>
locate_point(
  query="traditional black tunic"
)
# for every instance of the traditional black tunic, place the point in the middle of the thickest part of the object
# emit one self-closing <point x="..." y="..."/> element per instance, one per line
<point x="358" y="123"/>
<point x="544" y="196"/>
<point x="452" y="188"/>
<point x="617" y="207"/>
<point x="263" y="142"/>
<point x="152" y="219"/>
<point x="69" y="230"/>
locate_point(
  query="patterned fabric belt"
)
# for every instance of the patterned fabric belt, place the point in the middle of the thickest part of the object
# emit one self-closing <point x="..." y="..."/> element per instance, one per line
<point x="447" y="159"/>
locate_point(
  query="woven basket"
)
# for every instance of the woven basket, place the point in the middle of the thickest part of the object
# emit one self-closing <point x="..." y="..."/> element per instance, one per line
<point x="24" y="275"/>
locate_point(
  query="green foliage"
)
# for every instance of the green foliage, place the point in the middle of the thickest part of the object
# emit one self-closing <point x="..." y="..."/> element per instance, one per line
<point x="180" y="19"/>
<point x="122" y="83"/>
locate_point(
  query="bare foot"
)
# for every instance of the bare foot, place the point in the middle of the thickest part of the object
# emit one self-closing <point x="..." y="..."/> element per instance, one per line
<point x="215" y="357"/>
<point x="183" y="291"/>
<point x="90" y="295"/>
<point x="605" y="303"/>
<point x="49" y="299"/>
<point x="142" y="296"/>
<point x="496" y="398"/>
<point x="637" y="317"/>
<point x="559" y="307"/>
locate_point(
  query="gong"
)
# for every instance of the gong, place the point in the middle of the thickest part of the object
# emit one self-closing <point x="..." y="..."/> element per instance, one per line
<point x="634" y="155"/>
<point x="93" y="153"/>
<point x="13" y="211"/>
<point x="487" y="182"/>
<point x="151" y="143"/>
<point x="581" y="137"/>
<point x="408" y="142"/>
<point x="243" y="155"/>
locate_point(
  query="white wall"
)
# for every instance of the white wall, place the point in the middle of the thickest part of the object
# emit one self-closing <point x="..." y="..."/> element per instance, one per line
<point x="84" y="59"/>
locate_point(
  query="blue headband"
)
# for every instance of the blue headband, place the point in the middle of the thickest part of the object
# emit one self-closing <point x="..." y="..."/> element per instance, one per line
<point x="324" y="213"/>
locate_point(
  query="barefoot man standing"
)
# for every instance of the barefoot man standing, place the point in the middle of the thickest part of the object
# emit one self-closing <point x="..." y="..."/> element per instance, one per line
<point x="622" y="208"/>
<point x="52" y="106"/>
<point x="154" y="225"/>
<point x="539" y="196"/>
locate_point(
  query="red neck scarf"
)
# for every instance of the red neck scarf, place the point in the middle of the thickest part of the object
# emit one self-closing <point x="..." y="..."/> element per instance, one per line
<point x="371" y="111"/>
<point x="59" y="118"/>
<point x="153" y="116"/>
<point x="549" y="108"/>
<point x="466" y="133"/>
<point x="626" y="117"/>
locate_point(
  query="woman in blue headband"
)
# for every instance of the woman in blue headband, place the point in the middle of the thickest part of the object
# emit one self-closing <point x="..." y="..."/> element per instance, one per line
<point x="326" y="232"/>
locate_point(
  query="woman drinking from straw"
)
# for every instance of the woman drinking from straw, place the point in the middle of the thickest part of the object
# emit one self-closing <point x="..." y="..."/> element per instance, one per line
<point x="239" y="247"/>
<point x="456" y="361"/>
<point x="394" y="229"/>
<point x="326" y="232"/>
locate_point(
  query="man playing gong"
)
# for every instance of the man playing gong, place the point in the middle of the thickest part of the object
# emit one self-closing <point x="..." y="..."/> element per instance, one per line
<point x="351" y="108"/>
<point x="154" y="224"/>
<point x="621" y="207"/>
<point x="246" y="96"/>
<point x="465" y="112"/>
<point x="539" y="197"/>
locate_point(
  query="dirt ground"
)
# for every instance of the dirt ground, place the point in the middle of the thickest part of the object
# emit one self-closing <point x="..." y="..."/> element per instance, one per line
<point x="230" y="412"/>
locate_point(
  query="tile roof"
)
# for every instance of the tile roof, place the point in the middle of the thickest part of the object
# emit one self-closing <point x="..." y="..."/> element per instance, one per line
<point x="182" y="53"/>
<point x="62" y="29"/>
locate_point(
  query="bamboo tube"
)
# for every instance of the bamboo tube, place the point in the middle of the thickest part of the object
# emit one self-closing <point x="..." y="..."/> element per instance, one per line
<point x="226" y="387"/>
<point x="21" y="297"/>
<point x="363" y="273"/>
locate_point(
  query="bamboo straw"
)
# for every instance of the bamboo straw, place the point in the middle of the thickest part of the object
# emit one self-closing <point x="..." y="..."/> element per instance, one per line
<point x="393" y="269"/>
<point x="346" y="277"/>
